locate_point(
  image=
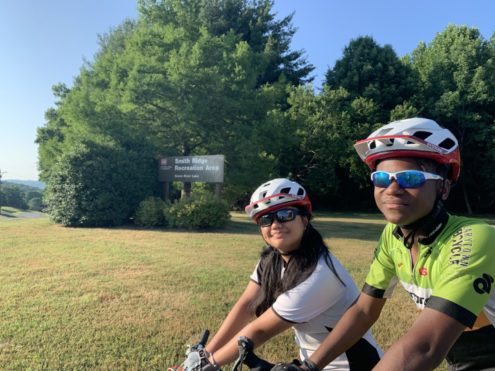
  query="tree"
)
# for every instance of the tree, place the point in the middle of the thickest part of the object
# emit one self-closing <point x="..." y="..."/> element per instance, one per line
<point x="252" y="21"/>
<point x="187" y="78"/>
<point x="370" y="71"/>
<point x="50" y="137"/>
<point x="316" y="147"/>
<point x="457" y="88"/>
<point x="208" y="67"/>
<point x="35" y="203"/>
<point x="12" y="196"/>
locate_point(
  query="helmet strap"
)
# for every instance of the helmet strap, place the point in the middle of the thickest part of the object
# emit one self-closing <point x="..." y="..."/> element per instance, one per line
<point x="430" y="225"/>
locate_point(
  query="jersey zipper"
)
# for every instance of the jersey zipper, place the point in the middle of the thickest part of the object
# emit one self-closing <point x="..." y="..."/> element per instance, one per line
<point x="420" y="259"/>
<point x="412" y="266"/>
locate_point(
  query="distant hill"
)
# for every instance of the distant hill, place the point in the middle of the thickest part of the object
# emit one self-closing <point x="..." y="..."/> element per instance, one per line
<point x="29" y="183"/>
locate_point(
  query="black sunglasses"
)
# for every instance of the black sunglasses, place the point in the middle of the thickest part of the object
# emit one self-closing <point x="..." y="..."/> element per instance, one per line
<point x="281" y="216"/>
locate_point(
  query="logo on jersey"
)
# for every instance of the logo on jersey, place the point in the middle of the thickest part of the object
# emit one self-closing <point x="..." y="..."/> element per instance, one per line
<point x="419" y="300"/>
<point x="461" y="246"/>
<point x="483" y="284"/>
<point x="423" y="271"/>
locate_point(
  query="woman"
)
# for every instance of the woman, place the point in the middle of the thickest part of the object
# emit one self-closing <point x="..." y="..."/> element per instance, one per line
<point x="297" y="283"/>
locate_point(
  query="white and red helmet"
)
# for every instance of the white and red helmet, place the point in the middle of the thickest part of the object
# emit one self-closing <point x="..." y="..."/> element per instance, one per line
<point x="414" y="137"/>
<point x="277" y="194"/>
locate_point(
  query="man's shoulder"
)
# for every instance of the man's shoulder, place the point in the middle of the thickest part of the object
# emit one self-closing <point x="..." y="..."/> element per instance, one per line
<point x="462" y="225"/>
<point x="469" y="234"/>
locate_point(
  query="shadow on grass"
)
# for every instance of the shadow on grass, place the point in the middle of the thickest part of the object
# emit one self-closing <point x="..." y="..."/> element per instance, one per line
<point x="335" y="225"/>
<point x="236" y="226"/>
<point x="233" y="226"/>
<point x="349" y="215"/>
<point x="349" y="230"/>
<point x="358" y="226"/>
<point x="326" y="224"/>
<point x="7" y="215"/>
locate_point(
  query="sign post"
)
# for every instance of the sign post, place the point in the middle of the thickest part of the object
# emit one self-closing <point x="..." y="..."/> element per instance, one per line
<point x="187" y="169"/>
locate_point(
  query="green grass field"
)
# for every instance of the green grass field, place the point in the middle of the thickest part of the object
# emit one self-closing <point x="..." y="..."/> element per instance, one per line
<point x="131" y="299"/>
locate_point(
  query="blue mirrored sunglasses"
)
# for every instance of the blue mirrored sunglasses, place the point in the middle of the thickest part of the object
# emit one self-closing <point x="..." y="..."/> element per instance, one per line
<point x="281" y="216"/>
<point x="405" y="179"/>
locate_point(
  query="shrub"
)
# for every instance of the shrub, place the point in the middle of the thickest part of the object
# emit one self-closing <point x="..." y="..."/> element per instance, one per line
<point x="96" y="185"/>
<point x="150" y="213"/>
<point x="198" y="212"/>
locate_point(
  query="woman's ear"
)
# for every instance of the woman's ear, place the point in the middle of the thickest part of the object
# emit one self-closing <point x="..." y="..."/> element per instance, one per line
<point x="305" y="221"/>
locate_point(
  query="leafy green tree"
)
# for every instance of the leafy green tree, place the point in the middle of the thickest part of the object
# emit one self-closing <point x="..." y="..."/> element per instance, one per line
<point x="327" y="127"/>
<point x="185" y="78"/>
<point x="404" y="111"/>
<point x="35" y="203"/>
<point x="200" y="85"/>
<point x="373" y="72"/>
<point x="12" y="196"/>
<point x="88" y="110"/>
<point x="29" y="194"/>
<point x="50" y="137"/>
<point x="202" y="100"/>
<point x="457" y="89"/>
<point x="252" y="21"/>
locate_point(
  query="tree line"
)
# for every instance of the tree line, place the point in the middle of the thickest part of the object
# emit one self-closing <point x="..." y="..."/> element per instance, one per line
<point x="219" y="77"/>
<point x="20" y="196"/>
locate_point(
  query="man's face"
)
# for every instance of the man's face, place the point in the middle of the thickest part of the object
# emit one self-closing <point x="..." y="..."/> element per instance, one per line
<point x="404" y="206"/>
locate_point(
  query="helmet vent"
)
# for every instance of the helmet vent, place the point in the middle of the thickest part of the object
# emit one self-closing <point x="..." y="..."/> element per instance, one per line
<point x="422" y="134"/>
<point x="300" y="192"/>
<point x="285" y="190"/>
<point x="447" y="143"/>
<point x="372" y="145"/>
<point x="390" y="143"/>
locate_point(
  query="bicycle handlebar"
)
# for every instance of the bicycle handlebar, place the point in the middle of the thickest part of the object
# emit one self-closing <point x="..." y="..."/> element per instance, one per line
<point x="204" y="339"/>
<point x="246" y="354"/>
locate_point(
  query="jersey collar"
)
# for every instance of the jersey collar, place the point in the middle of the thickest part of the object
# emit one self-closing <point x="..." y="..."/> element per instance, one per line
<point x="432" y="225"/>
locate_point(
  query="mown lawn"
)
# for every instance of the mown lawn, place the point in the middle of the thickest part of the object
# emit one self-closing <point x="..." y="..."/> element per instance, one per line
<point x="131" y="299"/>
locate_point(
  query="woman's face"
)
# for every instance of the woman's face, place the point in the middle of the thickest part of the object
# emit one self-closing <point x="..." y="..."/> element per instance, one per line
<point x="285" y="237"/>
<point x="404" y="206"/>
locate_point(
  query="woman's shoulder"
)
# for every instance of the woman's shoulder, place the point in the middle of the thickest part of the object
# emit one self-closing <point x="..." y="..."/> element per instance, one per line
<point x="329" y="265"/>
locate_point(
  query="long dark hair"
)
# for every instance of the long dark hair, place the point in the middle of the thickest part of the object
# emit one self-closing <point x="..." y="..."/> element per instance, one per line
<point x="300" y="266"/>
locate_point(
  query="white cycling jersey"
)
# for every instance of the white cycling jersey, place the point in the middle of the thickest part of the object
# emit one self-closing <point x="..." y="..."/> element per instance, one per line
<point x="315" y="306"/>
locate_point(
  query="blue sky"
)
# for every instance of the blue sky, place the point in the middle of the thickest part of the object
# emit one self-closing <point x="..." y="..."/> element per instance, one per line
<point x="46" y="42"/>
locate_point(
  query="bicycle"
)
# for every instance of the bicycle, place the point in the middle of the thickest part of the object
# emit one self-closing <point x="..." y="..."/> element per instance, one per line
<point x="246" y="356"/>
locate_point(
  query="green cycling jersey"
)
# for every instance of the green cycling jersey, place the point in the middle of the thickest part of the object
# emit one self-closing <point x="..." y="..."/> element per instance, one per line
<point x="453" y="274"/>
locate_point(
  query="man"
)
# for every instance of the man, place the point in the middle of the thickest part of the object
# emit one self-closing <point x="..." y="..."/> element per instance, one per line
<point x="446" y="263"/>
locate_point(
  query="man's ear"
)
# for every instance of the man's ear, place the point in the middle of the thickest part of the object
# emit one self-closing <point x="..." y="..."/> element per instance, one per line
<point x="445" y="190"/>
